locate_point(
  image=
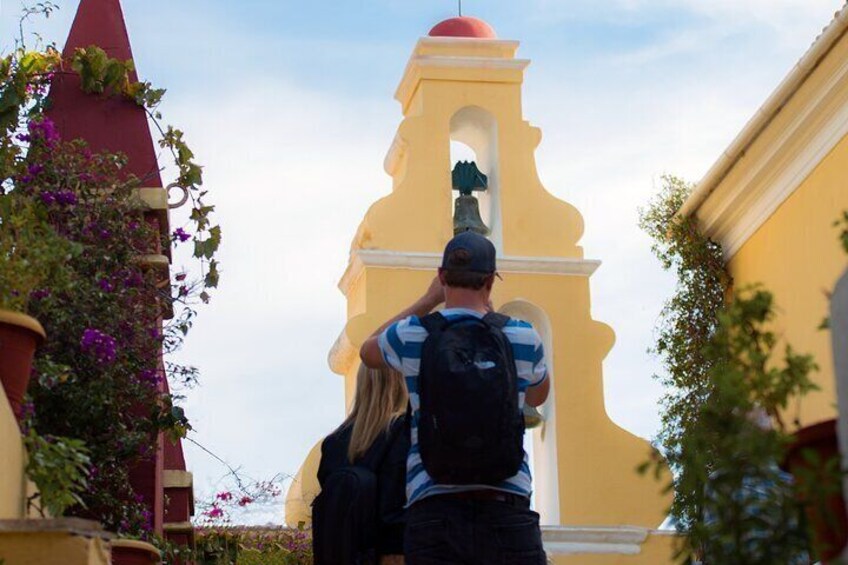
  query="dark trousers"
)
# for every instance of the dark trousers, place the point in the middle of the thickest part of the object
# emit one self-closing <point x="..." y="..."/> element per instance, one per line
<point x="450" y="529"/>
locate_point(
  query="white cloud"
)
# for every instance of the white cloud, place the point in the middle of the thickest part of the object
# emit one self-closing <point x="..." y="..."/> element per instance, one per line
<point x="790" y="21"/>
<point x="292" y="173"/>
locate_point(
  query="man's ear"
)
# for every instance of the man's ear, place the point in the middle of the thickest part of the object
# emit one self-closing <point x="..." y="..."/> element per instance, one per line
<point x="442" y="276"/>
<point x="490" y="282"/>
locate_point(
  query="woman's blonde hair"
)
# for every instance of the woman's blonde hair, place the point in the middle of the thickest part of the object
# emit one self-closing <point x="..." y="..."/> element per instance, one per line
<point x="380" y="398"/>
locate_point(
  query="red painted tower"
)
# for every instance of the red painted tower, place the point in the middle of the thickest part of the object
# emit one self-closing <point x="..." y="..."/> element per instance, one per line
<point x="116" y="125"/>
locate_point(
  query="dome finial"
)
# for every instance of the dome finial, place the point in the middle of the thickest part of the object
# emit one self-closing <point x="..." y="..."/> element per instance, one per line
<point x="463" y="26"/>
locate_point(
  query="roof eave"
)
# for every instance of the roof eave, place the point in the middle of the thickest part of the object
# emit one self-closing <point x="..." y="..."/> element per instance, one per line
<point x="767" y="112"/>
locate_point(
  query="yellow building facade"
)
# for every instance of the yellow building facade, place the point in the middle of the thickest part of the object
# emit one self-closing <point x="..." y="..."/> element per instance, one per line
<point x="27" y="538"/>
<point x="468" y="90"/>
<point x="772" y="199"/>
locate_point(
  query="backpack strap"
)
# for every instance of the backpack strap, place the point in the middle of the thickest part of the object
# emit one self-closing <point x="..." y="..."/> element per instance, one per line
<point x="496" y="320"/>
<point x="434" y="322"/>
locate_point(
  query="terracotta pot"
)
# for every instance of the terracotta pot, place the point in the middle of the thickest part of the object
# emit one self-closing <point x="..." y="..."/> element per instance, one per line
<point x="20" y="335"/>
<point x="826" y="516"/>
<point x="134" y="552"/>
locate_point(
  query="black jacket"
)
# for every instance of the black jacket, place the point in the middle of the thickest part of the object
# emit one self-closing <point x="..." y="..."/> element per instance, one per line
<point x="387" y="456"/>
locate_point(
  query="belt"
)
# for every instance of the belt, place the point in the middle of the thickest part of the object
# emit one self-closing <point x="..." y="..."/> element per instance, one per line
<point x="488" y="494"/>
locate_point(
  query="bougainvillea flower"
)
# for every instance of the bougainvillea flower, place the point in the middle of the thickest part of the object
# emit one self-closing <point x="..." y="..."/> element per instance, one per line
<point x="181" y="235"/>
<point x="100" y="345"/>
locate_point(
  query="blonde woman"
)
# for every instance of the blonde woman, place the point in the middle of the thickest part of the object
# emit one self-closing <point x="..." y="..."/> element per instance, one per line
<point x="358" y="518"/>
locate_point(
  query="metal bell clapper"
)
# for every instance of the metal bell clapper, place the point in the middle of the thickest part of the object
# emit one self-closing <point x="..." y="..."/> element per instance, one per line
<point x="532" y="417"/>
<point x="467" y="179"/>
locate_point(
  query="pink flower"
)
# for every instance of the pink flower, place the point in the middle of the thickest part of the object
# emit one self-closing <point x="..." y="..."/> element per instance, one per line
<point x="245" y="500"/>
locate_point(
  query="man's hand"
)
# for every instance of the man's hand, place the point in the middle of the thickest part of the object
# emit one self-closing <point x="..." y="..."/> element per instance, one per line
<point x="370" y="351"/>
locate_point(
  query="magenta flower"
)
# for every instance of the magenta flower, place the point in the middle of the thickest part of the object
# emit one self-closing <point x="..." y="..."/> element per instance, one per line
<point x="181" y="235"/>
<point x="40" y="294"/>
<point x="66" y="198"/>
<point x="100" y="345"/>
<point x="149" y="376"/>
<point x="105" y="285"/>
<point x="134" y="280"/>
<point x="45" y="130"/>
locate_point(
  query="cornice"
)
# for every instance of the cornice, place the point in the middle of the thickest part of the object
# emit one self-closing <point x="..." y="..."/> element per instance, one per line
<point x="749" y="182"/>
<point x="361" y="258"/>
<point x="734" y="213"/>
<point x="418" y="65"/>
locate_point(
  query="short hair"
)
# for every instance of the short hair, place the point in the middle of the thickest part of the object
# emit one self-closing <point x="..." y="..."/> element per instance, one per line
<point x="455" y="278"/>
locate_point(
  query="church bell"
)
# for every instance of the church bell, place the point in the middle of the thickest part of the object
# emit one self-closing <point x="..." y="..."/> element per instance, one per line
<point x="468" y="179"/>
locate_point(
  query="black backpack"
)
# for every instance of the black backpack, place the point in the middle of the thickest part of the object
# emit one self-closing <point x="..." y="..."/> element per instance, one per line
<point x="345" y="513"/>
<point x="470" y="428"/>
<point x="344" y="518"/>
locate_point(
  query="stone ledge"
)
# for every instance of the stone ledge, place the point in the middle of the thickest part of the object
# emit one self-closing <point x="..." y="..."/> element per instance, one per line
<point x="621" y="540"/>
<point x="178" y="527"/>
<point x="174" y="478"/>
<point x="154" y="202"/>
<point x="72" y="526"/>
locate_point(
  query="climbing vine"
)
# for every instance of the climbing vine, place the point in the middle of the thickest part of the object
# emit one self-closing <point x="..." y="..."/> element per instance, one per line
<point x="687" y="322"/>
<point x="723" y="431"/>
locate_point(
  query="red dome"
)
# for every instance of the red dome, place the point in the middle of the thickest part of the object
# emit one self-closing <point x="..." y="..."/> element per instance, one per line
<point x="463" y="26"/>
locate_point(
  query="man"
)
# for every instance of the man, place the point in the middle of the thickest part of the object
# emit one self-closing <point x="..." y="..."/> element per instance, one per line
<point x="465" y="520"/>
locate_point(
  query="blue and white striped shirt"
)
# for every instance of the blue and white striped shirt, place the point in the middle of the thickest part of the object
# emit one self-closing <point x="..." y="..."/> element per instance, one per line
<point x="401" y="346"/>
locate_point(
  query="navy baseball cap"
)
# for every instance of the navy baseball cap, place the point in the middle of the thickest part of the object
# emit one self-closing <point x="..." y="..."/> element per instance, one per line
<point x="480" y="250"/>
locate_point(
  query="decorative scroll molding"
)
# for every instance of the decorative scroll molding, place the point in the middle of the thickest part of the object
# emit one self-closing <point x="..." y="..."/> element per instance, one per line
<point x="395" y="155"/>
<point x="362" y="258"/>
<point x="342" y="354"/>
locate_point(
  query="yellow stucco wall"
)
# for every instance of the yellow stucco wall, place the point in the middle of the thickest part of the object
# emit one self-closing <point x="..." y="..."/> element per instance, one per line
<point x="584" y="464"/>
<point x="52" y="548"/>
<point x="12" y="482"/>
<point x="796" y="255"/>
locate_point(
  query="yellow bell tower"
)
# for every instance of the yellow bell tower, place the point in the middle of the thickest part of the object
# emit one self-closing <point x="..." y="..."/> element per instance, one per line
<point x="462" y="84"/>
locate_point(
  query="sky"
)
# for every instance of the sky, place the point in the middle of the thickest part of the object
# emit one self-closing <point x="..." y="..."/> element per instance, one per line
<point x="289" y="106"/>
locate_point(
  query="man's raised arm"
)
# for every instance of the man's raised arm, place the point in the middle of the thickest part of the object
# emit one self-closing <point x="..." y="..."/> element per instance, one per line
<point x="370" y="351"/>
